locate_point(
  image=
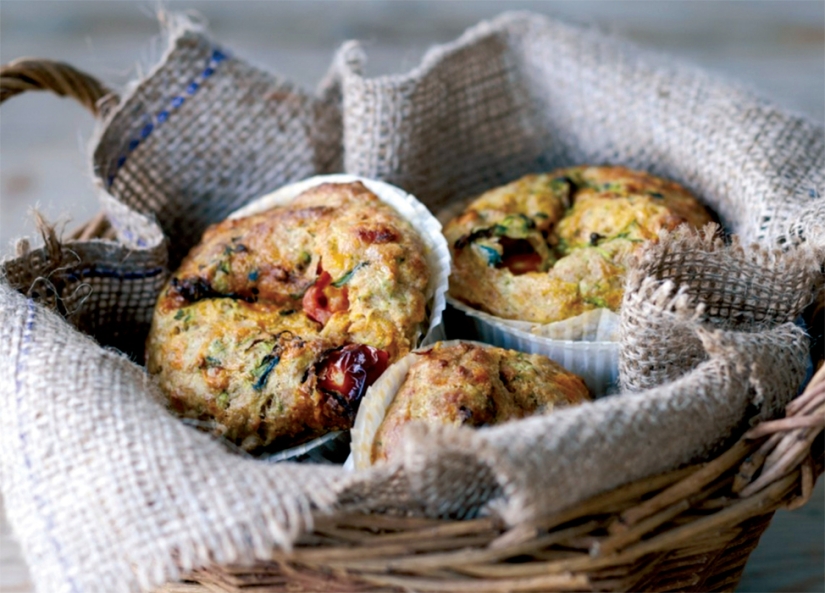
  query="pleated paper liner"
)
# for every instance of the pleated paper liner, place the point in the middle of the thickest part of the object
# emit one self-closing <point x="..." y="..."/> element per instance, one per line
<point x="333" y="447"/>
<point x="373" y="408"/>
<point x="586" y="345"/>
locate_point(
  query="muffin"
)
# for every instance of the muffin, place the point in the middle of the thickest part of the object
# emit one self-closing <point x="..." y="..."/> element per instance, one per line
<point x="276" y="323"/>
<point x="472" y="384"/>
<point x="552" y="246"/>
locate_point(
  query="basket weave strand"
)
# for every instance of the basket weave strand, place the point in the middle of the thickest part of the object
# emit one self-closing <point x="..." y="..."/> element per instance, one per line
<point x="34" y="74"/>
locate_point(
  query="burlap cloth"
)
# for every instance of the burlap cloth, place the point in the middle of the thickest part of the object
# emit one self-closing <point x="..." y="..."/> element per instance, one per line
<point x="109" y="492"/>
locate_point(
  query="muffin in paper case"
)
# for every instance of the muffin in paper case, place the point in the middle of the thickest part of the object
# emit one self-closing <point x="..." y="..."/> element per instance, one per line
<point x="552" y="248"/>
<point x="587" y="344"/>
<point x="332" y="447"/>
<point x="557" y="388"/>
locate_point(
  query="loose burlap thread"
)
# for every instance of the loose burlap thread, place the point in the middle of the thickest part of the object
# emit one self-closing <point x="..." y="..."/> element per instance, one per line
<point x="109" y="492"/>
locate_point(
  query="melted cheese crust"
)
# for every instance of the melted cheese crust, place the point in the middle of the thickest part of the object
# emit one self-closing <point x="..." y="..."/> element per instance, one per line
<point x="579" y="226"/>
<point x="474" y="385"/>
<point x="230" y="342"/>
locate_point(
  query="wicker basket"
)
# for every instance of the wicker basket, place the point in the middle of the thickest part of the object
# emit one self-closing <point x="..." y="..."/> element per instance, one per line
<point x="690" y="530"/>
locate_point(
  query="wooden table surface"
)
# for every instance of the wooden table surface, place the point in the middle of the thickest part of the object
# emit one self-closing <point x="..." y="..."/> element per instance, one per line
<point x="776" y="46"/>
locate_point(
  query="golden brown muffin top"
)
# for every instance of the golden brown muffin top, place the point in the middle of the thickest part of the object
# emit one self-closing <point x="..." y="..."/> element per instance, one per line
<point x="275" y="323"/>
<point x="475" y="385"/>
<point x="552" y="246"/>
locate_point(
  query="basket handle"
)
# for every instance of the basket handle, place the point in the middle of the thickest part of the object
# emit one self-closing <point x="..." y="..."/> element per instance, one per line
<point x="34" y="74"/>
<point x="31" y="74"/>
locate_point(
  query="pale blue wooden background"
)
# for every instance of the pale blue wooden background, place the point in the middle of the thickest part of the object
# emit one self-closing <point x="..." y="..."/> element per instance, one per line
<point x="776" y="46"/>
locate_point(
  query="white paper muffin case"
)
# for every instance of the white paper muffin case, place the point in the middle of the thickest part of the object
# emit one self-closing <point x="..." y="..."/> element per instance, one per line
<point x="374" y="407"/>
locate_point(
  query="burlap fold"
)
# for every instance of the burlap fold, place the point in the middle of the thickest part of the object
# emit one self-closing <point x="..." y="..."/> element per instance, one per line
<point x="108" y="492"/>
<point x="205" y="134"/>
<point x="693" y="279"/>
<point x="103" y="288"/>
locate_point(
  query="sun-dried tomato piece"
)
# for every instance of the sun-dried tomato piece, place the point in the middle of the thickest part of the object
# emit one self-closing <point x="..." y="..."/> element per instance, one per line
<point x="345" y="373"/>
<point x="523" y="263"/>
<point x="378" y="235"/>
<point x="519" y="256"/>
<point x="322" y="299"/>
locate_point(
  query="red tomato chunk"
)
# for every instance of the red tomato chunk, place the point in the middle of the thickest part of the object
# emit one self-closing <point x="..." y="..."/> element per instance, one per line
<point x="349" y="370"/>
<point x="322" y="299"/>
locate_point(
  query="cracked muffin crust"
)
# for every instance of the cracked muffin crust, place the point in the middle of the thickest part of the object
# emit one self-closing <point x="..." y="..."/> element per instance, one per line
<point x="275" y="324"/>
<point x="475" y="385"/>
<point x="552" y="246"/>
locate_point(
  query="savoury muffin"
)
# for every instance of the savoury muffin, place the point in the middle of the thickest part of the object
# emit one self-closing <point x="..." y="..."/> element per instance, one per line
<point x="471" y="384"/>
<point x="276" y="323"/>
<point x="552" y="246"/>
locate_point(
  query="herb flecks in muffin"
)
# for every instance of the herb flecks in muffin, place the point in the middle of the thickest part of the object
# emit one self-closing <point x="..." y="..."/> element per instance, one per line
<point x="467" y="384"/>
<point x="275" y="324"/>
<point x="549" y="247"/>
